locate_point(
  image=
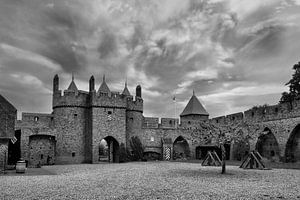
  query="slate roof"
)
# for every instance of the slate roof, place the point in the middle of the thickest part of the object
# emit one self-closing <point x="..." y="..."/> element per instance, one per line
<point x="194" y="107"/>
<point x="126" y="91"/>
<point x="72" y="86"/>
<point x="103" y="87"/>
<point x="6" y="105"/>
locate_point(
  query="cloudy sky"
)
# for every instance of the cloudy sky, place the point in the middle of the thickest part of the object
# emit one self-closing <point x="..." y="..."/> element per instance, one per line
<point x="234" y="53"/>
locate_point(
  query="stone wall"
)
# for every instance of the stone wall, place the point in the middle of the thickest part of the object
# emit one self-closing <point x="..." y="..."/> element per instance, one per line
<point x="7" y="120"/>
<point x="41" y="150"/>
<point x="107" y="122"/>
<point x="70" y="128"/>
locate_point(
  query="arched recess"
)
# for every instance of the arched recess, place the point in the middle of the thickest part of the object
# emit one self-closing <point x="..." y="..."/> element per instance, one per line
<point x="181" y="149"/>
<point x="109" y="150"/>
<point x="267" y="144"/>
<point x="41" y="150"/>
<point x="292" y="150"/>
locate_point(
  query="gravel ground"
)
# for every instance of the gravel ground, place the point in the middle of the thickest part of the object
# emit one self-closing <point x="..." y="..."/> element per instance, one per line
<point x="152" y="180"/>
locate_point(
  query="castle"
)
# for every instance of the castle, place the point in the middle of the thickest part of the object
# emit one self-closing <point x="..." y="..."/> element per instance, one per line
<point x="80" y="120"/>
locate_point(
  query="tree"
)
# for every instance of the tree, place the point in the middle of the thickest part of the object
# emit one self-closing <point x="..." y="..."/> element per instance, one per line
<point x="124" y="153"/>
<point x="294" y="85"/>
<point x="137" y="148"/>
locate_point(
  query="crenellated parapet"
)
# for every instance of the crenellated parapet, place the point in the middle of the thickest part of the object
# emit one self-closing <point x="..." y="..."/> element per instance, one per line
<point x="113" y="100"/>
<point x="70" y="98"/>
<point x="134" y="105"/>
<point x="150" y="122"/>
<point x="163" y="123"/>
<point x="262" y="114"/>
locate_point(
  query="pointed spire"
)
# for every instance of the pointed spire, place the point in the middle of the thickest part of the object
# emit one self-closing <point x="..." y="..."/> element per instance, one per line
<point x="103" y="87"/>
<point x="72" y="86"/>
<point x="194" y="107"/>
<point x="126" y="91"/>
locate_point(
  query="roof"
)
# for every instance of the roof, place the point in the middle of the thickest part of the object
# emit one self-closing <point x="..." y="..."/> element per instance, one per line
<point x="103" y="87"/>
<point x="6" y="105"/>
<point x="126" y="91"/>
<point x="194" y="107"/>
<point x="72" y="86"/>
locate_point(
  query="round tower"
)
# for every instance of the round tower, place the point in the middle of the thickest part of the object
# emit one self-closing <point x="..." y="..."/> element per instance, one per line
<point x="69" y="115"/>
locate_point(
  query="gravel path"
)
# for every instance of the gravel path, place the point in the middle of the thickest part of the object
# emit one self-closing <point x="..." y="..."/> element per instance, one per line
<point x="152" y="180"/>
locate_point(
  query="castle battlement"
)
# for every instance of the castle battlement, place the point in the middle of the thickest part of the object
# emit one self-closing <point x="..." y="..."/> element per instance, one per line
<point x="164" y="123"/>
<point x="70" y="98"/>
<point x="262" y="113"/>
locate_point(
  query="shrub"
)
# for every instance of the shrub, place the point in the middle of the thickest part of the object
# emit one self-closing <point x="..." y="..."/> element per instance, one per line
<point x="137" y="149"/>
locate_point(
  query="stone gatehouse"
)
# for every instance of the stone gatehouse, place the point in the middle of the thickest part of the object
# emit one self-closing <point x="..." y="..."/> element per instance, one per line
<point x="81" y="120"/>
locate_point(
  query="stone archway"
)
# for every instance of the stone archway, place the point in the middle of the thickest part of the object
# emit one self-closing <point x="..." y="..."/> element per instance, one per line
<point x="109" y="150"/>
<point x="267" y="145"/>
<point x="41" y="150"/>
<point x="181" y="149"/>
<point x="292" y="150"/>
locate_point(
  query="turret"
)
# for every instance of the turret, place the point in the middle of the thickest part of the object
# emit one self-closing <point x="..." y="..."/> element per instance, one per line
<point x="104" y="88"/>
<point x="55" y="83"/>
<point x="193" y="112"/>
<point x="138" y="91"/>
<point x="126" y="91"/>
<point x="92" y="83"/>
<point x="72" y="86"/>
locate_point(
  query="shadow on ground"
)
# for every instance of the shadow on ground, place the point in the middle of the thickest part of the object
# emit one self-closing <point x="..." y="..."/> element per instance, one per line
<point x="29" y="172"/>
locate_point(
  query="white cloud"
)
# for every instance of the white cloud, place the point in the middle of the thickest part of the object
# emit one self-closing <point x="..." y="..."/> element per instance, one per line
<point x="244" y="91"/>
<point x="17" y="53"/>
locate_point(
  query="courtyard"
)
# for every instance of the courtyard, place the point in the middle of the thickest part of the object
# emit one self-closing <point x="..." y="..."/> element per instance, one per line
<point x="150" y="180"/>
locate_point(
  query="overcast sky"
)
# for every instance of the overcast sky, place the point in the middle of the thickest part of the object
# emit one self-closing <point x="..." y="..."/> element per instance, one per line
<point x="235" y="54"/>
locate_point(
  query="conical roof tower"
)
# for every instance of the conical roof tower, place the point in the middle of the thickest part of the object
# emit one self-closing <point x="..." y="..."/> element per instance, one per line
<point x="194" y="107"/>
<point x="126" y="91"/>
<point x="72" y="86"/>
<point x="103" y="87"/>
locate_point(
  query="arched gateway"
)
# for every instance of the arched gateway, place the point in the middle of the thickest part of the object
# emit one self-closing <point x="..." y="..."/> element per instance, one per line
<point x="181" y="148"/>
<point x="292" y="150"/>
<point x="267" y="144"/>
<point x="109" y="150"/>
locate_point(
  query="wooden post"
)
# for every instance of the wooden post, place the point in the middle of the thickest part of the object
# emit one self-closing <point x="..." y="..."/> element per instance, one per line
<point x="251" y="161"/>
<point x="223" y="158"/>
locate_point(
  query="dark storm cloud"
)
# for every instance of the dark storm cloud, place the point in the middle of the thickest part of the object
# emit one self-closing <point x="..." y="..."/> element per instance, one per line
<point x="46" y="30"/>
<point x="108" y="44"/>
<point x="228" y="51"/>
